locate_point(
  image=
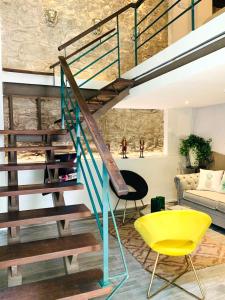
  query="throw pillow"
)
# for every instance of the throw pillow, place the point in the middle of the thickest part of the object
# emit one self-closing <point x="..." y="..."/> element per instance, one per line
<point x="209" y="180"/>
<point x="222" y="185"/>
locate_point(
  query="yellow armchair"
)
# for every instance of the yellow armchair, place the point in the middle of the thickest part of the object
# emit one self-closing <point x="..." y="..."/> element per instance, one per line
<point x="173" y="233"/>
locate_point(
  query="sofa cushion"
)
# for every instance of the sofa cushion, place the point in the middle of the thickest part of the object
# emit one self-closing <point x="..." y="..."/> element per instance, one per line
<point x="209" y="180"/>
<point x="222" y="185"/>
<point x="205" y="198"/>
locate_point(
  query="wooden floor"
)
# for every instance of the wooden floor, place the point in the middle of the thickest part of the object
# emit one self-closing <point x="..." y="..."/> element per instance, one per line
<point x="135" y="288"/>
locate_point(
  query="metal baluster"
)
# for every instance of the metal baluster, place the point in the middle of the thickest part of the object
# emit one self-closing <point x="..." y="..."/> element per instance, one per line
<point x="135" y="37"/>
<point x="62" y="92"/>
<point x="54" y="76"/>
<point x="193" y="14"/>
<point x="77" y="115"/>
<point x="118" y="45"/>
<point x="105" y="196"/>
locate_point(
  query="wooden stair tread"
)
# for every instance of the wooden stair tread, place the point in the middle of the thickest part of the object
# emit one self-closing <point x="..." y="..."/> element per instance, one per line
<point x="119" y="85"/>
<point x="105" y="95"/>
<point x="36" y="166"/>
<point x="78" y="286"/>
<point x="34" y="148"/>
<point x="26" y="253"/>
<point x="93" y="106"/>
<point x="39" y="216"/>
<point x="29" y="189"/>
<point x="35" y="132"/>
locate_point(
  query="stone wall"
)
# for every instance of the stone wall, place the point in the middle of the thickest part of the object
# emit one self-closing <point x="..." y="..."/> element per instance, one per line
<point x="114" y="125"/>
<point x="29" y="43"/>
<point x="133" y="124"/>
<point x="25" y="112"/>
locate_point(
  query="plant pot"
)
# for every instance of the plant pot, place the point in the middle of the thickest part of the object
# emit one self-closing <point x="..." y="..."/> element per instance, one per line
<point x="193" y="158"/>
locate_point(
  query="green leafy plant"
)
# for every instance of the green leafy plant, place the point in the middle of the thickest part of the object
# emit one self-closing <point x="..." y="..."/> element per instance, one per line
<point x="202" y="147"/>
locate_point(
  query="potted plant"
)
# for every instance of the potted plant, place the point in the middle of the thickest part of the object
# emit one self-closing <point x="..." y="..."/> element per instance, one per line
<point x="197" y="150"/>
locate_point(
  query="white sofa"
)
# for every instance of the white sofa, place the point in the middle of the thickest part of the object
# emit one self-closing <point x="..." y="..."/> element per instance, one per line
<point x="212" y="203"/>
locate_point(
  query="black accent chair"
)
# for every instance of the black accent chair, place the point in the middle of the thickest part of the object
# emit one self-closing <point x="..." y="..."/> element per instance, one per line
<point x="138" y="184"/>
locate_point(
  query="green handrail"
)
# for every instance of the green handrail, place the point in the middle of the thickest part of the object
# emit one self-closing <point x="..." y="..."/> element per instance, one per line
<point x="72" y="120"/>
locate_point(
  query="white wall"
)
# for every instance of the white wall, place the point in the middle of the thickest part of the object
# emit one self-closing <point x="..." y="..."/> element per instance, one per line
<point x="209" y="122"/>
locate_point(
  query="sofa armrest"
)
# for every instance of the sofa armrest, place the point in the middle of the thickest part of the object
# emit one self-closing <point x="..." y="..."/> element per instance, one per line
<point x="185" y="182"/>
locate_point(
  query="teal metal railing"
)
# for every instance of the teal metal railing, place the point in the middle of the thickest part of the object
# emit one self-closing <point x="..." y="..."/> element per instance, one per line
<point x="95" y="179"/>
<point x="142" y="35"/>
<point x="116" y="60"/>
<point x="113" y="53"/>
<point x="112" y="36"/>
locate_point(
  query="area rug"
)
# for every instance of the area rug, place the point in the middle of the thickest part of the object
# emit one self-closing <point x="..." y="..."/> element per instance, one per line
<point x="210" y="252"/>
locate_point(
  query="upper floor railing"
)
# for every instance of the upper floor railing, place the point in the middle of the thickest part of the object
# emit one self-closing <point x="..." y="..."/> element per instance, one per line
<point x="139" y="32"/>
<point x="107" y="47"/>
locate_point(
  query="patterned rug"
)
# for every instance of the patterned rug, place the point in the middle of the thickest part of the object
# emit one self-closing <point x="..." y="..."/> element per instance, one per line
<point x="210" y="252"/>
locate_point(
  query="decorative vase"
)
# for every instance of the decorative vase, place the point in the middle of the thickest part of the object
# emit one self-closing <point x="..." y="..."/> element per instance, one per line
<point x="193" y="157"/>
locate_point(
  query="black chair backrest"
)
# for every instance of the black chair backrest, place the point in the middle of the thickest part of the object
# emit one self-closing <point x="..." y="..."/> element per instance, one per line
<point x="135" y="181"/>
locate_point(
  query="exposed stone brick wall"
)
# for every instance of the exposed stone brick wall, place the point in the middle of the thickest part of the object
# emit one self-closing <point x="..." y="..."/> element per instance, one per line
<point x="25" y="112"/>
<point x="28" y="43"/>
<point x="133" y="124"/>
<point x="114" y="125"/>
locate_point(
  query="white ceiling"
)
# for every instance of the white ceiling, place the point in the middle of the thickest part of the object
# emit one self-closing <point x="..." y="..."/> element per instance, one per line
<point x="200" y="83"/>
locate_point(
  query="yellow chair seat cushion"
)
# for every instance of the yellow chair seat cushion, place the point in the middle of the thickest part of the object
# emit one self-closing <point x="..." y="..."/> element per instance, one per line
<point x="174" y="247"/>
<point x="173" y="233"/>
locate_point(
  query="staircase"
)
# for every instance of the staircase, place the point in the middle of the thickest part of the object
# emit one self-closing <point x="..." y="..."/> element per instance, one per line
<point x="81" y="285"/>
<point x="77" y="114"/>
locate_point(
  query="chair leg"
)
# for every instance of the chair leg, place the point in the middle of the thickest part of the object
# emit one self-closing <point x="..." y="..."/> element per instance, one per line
<point x="173" y="282"/>
<point x="152" y="277"/>
<point x="142" y="203"/>
<point x="116" y="205"/>
<point x="149" y="251"/>
<point x="197" y="278"/>
<point x="135" y="205"/>
<point x="124" y="212"/>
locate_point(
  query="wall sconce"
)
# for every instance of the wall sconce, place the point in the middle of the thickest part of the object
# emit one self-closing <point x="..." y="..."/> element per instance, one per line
<point x="51" y="17"/>
<point x="98" y="30"/>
